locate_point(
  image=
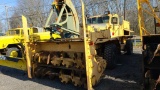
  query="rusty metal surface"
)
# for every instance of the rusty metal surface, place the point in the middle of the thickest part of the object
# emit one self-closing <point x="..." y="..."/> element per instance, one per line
<point x="67" y="66"/>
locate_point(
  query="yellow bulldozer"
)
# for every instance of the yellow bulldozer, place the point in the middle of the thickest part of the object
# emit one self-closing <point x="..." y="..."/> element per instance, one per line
<point x="81" y="54"/>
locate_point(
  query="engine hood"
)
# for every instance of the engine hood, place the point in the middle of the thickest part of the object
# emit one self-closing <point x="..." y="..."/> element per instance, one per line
<point x="7" y="40"/>
<point x="8" y="37"/>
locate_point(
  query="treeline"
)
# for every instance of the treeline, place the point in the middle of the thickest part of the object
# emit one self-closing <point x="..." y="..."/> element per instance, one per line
<point x="37" y="11"/>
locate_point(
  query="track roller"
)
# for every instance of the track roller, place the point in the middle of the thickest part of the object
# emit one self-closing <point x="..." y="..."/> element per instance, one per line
<point x="37" y="72"/>
<point x="79" y="64"/>
<point x="68" y="62"/>
<point x="52" y="75"/>
<point x="68" y="66"/>
<point x="56" y="61"/>
<point x="64" y="77"/>
<point x="77" y="79"/>
<point x="79" y="60"/>
<point x="56" y="58"/>
<point x="41" y="72"/>
<point x="42" y="57"/>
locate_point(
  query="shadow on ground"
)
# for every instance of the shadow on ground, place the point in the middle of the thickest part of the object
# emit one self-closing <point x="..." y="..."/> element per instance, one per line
<point x="126" y="76"/>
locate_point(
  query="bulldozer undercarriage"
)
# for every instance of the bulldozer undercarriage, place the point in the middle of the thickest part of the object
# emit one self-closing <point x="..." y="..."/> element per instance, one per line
<point x="67" y="63"/>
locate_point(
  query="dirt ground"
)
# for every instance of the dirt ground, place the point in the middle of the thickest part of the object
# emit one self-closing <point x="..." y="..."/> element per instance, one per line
<point x="126" y="76"/>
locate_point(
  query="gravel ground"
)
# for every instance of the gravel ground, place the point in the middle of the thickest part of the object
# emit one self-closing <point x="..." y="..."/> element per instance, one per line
<point x="126" y="76"/>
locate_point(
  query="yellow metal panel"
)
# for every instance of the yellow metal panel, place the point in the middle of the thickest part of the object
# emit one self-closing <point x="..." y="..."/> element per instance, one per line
<point x="140" y="17"/>
<point x="26" y="40"/>
<point x="54" y="46"/>
<point x="21" y="64"/>
<point x="87" y="51"/>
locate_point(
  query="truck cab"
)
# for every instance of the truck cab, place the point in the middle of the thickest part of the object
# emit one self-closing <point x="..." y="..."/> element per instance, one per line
<point x="20" y="32"/>
<point x="112" y="22"/>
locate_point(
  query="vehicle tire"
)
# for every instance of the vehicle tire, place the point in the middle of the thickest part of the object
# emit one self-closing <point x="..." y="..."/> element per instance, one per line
<point x="129" y="47"/>
<point x="110" y="55"/>
<point x="14" y="52"/>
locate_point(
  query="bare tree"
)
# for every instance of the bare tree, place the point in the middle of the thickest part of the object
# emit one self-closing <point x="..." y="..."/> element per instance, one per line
<point x="35" y="10"/>
<point x="15" y="20"/>
<point x="1" y="27"/>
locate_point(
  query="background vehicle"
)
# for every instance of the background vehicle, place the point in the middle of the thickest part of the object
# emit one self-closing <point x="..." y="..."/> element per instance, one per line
<point x="12" y="44"/>
<point x="150" y="46"/>
<point x="117" y="39"/>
